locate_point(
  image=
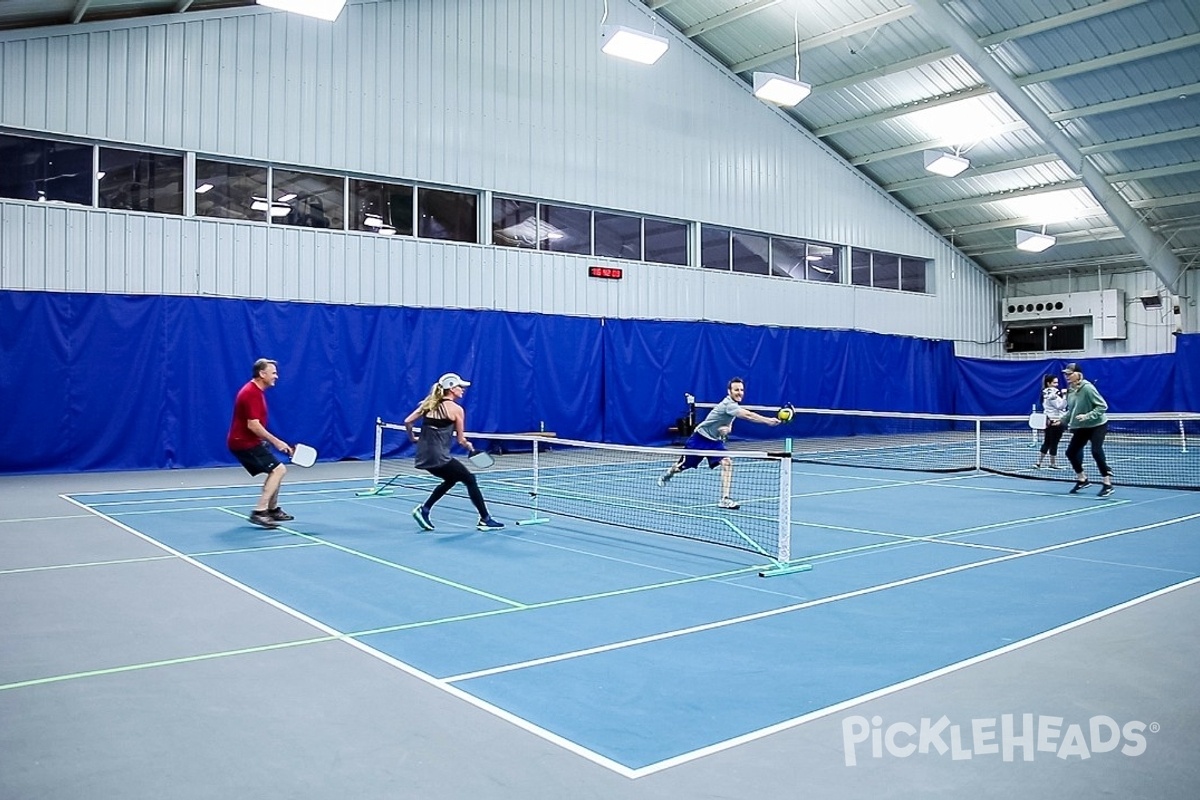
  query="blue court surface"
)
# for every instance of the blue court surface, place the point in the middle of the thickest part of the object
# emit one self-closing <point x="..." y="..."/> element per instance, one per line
<point x="640" y="651"/>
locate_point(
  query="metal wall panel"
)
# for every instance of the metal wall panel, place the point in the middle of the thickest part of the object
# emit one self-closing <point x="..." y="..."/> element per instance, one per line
<point x="509" y="95"/>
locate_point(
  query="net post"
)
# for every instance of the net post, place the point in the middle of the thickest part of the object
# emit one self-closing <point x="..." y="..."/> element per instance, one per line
<point x="534" y="517"/>
<point x="978" y="444"/>
<point x="378" y="449"/>
<point x="783" y="557"/>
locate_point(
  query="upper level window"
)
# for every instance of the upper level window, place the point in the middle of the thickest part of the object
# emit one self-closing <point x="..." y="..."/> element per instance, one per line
<point x="618" y="235"/>
<point x="306" y="200"/>
<point x="383" y="208"/>
<point x="230" y="191"/>
<point x="888" y="271"/>
<point x="447" y="215"/>
<point x="565" y="229"/>
<point x="46" y="171"/>
<point x="666" y="242"/>
<point x="138" y="181"/>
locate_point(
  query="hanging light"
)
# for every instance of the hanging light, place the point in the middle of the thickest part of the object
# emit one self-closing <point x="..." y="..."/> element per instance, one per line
<point x="1034" y="242"/>
<point x="946" y="164"/>
<point x="630" y="43"/>
<point x="327" y="10"/>
<point x="781" y="90"/>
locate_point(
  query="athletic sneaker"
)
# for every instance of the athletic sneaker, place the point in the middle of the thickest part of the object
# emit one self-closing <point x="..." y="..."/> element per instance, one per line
<point x="730" y="503"/>
<point x="666" y="476"/>
<point x="279" y="515"/>
<point x="1105" y="491"/>
<point x="488" y="524"/>
<point x="1079" y="485"/>
<point x="1055" y="466"/>
<point x="421" y="515"/>
<point x="1037" y="466"/>
<point x="263" y="518"/>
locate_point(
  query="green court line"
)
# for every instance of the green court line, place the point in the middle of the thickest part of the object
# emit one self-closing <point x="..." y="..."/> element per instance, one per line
<point x="383" y="561"/>
<point x="146" y="559"/>
<point x="562" y="601"/>
<point x="265" y="648"/>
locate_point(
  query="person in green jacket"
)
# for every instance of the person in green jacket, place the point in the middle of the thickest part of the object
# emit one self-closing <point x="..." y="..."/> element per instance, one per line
<point x="1087" y="417"/>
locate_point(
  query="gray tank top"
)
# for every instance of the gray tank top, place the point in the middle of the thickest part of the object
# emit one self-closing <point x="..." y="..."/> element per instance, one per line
<point x="433" y="446"/>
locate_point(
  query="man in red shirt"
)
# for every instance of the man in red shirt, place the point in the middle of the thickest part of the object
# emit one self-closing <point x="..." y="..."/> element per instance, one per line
<point x="248" y="437"/>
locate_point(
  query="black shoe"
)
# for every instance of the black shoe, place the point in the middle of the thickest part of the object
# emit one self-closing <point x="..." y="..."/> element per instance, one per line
<point x="1105" y="491"/>
<point x="279" y="515"/>
<point x="263" y="518"/>
<point x="1079" y="485"/>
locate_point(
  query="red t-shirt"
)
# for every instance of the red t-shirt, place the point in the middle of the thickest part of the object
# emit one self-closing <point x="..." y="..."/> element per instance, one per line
<point x="250" y="403"/>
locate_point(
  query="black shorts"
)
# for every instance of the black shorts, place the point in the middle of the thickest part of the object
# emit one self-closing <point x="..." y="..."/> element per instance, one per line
<point x="257" y="460"/>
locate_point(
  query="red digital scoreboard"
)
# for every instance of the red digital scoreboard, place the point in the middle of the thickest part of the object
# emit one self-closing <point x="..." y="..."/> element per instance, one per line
<point x="607" y="273"/>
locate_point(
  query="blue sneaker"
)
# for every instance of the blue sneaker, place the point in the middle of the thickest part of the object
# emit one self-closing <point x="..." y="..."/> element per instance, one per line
<point x="421" y="515"/>
<point x="489" y="524"/>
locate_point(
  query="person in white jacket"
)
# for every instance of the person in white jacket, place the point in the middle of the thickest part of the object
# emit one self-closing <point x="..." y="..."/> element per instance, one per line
<point x="1054" y="404"/>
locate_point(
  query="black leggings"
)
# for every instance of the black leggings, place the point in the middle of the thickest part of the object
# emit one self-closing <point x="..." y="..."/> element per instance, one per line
<point x="1050" y="439"/>
<point x="1080" y="437"/>
<point x="456" y="472"/>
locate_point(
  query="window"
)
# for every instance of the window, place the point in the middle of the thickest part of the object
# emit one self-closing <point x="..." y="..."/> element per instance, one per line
<point x="888" y="271"/>
<point x="384" y="208"/>
<point x="751" y="253"/>
<point x="140" y="181"/>
<point x="47" y="171"/>
<point x="618" y="235"/>
<point x="666" y="242"/>
<point x="307" y="200"/>
<point x="912" y="274"/>
<point x="565" y="230"/>
<point x="446" y="215"/>
<point x="228" y="191"/>
<point x="1044" y="339"/>
<point x="788" y="257"/>
<point x="515" y="223"/>
<point x="823" y="263"/>
<point x="714" y="248"/>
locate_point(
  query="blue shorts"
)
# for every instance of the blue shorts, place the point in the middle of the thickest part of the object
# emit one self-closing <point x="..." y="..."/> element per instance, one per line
<point x="700" y="442"/>
<point x="257" y="460"/>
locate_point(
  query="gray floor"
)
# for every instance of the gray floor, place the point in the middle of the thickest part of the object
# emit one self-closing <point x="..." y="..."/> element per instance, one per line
<point x="328" y="720"/>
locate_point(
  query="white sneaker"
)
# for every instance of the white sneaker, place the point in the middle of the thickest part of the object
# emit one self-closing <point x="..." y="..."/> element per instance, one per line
<point x="730" y="503"/>
<point x="666" y="476"/>
<point x="1055" y="466"/>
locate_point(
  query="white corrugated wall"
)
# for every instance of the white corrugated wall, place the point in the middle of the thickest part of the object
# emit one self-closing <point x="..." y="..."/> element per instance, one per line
<point x="511" y="96"/>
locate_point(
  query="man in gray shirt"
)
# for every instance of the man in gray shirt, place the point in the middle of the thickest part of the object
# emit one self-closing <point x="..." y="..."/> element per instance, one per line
<point x="711" y="435"/>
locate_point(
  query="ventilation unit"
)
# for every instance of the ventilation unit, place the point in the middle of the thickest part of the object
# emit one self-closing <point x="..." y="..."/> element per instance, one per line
<point x="1106" y="308"/>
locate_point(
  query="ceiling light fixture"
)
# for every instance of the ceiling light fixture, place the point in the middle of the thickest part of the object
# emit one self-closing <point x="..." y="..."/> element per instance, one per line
<point x="630" y="43"/>
<point x="634" y="45"/>
<point x="780" y="90"/>
<point x="204" y="187"/>
<point x="1034" y="242"/>
<point x="327" y="10"/>
<point x="941" y="163"/>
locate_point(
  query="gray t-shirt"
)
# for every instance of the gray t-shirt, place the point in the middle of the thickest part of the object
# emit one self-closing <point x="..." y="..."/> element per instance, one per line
<point x="722" y="416"/>
<point x="433" y="446"/>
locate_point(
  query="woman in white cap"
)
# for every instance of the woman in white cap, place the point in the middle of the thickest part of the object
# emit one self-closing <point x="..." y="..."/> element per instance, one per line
<point x="442" y="420"/>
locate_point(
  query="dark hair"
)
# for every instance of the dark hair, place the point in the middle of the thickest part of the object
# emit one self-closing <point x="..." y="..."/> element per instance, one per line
<point x="1046" y="381"/>
<point x="260" y="365"/>
<point x="732" y="381"/>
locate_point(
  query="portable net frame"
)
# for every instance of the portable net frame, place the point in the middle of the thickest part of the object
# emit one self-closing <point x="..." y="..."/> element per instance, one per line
<point x="1160" y="450"/>
<point x="618" y="485"/>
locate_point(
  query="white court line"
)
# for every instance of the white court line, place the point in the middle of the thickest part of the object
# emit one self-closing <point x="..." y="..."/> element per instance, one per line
<point x="808" y="603"/>
<point x="408" y="669"/>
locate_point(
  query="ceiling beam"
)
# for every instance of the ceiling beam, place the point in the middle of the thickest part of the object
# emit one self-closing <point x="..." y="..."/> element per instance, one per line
<point x="182" y="6"/>
<point x="1097" y="211"/>
<point x="824" y="39"/>
<point x="1126" y="102"/>
<point x="732" y="15"/>
<point x="996" y="197"/>
<point x="1148" y="243"/>
<point x="883" y="155"/>
<point x="900" y="111"/>
<point x="1136" y="54"/>
<point x="990" y="169"/>
<point x="988" y="41"/>
<point x="1141" y="141"/>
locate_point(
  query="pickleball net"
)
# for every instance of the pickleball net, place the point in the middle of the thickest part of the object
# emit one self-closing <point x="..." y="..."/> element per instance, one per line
<point x="618" y="485"/>
<point x="1158" y="450"/>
